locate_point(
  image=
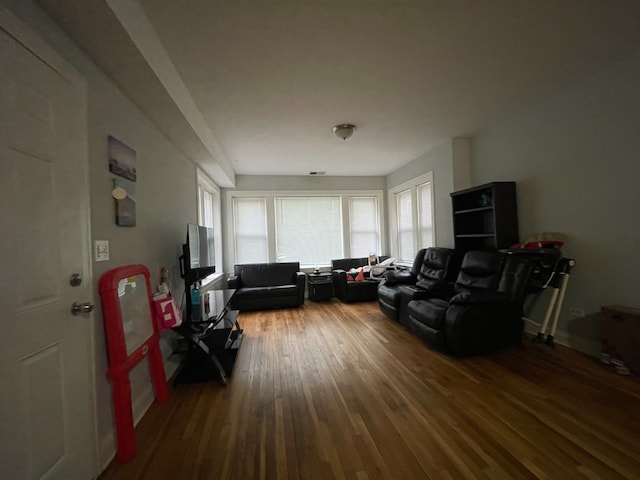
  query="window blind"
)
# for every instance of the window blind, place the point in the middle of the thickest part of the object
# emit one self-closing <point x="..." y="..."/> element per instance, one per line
<point x="364" y="228"/>
<point x="250" y="230"/>
<point x="308" y="229"/>
<point x="405" y="227"/>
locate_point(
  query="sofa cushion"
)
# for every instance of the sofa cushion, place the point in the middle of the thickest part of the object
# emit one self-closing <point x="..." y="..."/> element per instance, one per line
<point x="480" y="269"/>
<point x="348" y="263"/>
<point x="267" y="274"/>
<point x="258" y="292"/>
<point x="283" y="291"/>
<point x="439" y="269"/>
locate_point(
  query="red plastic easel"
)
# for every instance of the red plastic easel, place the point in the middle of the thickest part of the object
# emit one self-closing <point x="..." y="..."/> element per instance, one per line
<point x="115" y="285"/>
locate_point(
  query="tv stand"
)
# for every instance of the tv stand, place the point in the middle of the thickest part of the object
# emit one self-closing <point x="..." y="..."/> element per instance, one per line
<point x="212" y="344"/>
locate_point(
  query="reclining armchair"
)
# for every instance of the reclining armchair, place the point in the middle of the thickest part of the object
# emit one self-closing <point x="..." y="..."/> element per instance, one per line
<point x="432" y="275"/>
<point x="485" y="311"/>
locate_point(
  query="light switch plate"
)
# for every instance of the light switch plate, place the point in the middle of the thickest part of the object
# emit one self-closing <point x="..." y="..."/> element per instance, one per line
<point x="101" y="250"/>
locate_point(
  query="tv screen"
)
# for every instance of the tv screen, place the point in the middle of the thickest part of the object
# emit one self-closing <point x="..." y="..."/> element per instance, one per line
<point x="200" y="247"/>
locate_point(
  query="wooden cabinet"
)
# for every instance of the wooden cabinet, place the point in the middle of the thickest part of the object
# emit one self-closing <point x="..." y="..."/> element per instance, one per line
<point x="485" y="217"/>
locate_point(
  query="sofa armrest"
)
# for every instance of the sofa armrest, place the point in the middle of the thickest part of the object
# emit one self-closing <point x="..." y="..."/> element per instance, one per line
<point x="475" y="298"/>
<point x="300" y="279"/>
<point x="234" y="282"/>
<point x="395" y="277"/>
<point x="443" y="292"/>
<point x="339" y="278"/>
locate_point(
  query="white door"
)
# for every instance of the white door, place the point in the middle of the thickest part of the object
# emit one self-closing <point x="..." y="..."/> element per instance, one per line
<point x="46" y="407"/>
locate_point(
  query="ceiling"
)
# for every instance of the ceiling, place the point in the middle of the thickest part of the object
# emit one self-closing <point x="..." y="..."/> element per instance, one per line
<point x="254" y="87"/>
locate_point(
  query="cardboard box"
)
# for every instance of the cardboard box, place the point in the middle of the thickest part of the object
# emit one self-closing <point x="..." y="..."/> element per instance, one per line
<point x="621" y="336"/>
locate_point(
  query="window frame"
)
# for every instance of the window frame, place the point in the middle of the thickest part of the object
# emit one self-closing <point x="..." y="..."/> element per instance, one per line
<point x="234" y="225"/>
<point x="270" y="201"/>
<point x="378" y="223"/>
<point x="205" y="186"/>
<point x="410" y="185"/>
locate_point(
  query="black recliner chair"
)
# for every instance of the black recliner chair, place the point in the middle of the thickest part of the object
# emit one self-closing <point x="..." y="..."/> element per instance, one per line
<point x="432" y="275"/>
<point x="485" y="311"/>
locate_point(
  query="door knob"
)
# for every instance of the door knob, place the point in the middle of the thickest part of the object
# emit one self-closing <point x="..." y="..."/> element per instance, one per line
<point x="79" y="308"/>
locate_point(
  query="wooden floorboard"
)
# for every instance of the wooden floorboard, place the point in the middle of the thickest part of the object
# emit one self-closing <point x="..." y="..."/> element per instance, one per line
<point x="334" y="391"/>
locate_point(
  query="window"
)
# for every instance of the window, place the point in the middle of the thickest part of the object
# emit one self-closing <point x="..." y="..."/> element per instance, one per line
<point x="312" y="228"/>
<point x="364" y="222"/>
<point x="425" y="212"/>
<point x="405" y="227"/>
<point x="411" y="212"/>
<point x="250" y="230"/>
<point x="209" y="215"/>
<point x="308" y="229"/>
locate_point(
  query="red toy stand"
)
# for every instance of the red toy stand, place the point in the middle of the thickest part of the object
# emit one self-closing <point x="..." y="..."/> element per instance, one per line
<point x="132" y="335"/>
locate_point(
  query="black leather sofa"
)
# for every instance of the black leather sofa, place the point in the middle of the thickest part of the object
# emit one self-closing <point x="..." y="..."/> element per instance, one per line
<point x="266" y="285"/>
<point x="349" y="290"/>
<point x="484" y="312"/>
<point x="432" y="274"/>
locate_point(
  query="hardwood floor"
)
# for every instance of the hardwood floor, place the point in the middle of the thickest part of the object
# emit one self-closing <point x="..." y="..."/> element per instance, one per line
<point x="333" y="391"/>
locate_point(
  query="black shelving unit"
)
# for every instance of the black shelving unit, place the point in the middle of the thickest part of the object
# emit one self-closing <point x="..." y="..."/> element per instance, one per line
<point x="212" y="336"/>
<point x="211" y="350"/>
<point x="485" y="217"/>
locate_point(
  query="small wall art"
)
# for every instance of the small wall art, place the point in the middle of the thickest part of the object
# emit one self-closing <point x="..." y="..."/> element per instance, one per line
<point x="122" y="163"/>
<point x="122" y="159"/>
<point x="125" y="202"/>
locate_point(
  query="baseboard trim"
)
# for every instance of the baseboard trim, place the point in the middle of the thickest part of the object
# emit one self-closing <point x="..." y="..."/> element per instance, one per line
<point x="107" y="450"/>
<point x="107" y="447"/>
<point x="584" y="345"/>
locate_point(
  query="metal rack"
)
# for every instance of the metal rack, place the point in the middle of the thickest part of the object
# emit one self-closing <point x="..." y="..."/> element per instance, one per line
<point x="551" y="270"/>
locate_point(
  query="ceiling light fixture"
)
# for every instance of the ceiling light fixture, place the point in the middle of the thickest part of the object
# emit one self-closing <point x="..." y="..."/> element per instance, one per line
<point x="344" y="131"/>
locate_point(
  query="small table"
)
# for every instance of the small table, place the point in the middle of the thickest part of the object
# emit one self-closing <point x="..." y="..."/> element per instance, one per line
<point x="320" y="286"/>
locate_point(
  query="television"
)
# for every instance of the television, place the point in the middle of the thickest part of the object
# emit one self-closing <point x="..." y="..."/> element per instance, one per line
<point x="198" y="253"/>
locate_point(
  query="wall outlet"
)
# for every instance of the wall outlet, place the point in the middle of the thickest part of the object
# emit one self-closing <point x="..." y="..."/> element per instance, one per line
<point x="576" y="312"/>
<point x="101" y="250"/>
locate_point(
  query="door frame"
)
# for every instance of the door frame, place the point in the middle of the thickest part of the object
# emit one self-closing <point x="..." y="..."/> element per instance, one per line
<point x="22" y="33"/>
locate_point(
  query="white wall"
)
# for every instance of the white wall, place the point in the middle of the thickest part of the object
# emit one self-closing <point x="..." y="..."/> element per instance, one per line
<point x="575" y="158"/>
<point x="439" y="161"/>
<point x="166" y="202"/>
<point x="307" y="183"/>
<point x="302" y="183"/>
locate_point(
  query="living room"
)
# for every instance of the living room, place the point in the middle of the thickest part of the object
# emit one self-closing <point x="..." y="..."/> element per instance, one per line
<point x="571" y="148"/>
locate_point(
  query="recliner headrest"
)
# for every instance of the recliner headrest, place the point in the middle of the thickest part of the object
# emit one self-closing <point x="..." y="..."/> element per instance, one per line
<point x="481" y="269"/>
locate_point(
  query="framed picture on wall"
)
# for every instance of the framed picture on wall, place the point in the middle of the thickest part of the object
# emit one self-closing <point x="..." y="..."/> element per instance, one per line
<point x="122" y="164"/>
<point x="122" y="159"/>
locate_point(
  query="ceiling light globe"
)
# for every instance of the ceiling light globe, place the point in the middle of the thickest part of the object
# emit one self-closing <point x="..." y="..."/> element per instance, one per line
<point x="344" y="130"/>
